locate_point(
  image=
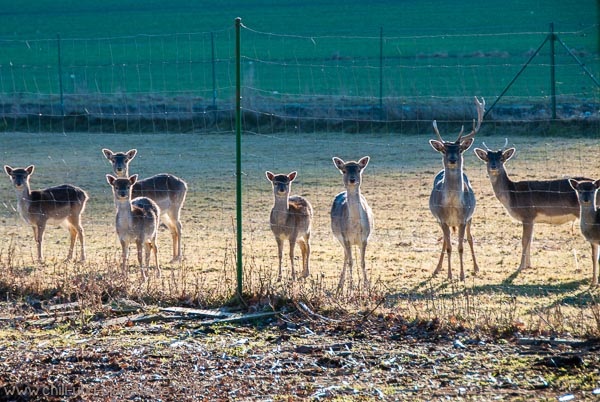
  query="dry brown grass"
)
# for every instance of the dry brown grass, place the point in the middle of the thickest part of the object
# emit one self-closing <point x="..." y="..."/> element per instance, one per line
<point x="554" y="296"/>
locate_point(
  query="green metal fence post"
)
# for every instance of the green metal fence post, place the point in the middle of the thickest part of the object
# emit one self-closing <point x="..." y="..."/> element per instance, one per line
<point x="238" y="154"/>
<point x="552" y="38"/>
<point x="381" y="73"/>
<point x="60" y="81"/>
<point x="214" y="74"/>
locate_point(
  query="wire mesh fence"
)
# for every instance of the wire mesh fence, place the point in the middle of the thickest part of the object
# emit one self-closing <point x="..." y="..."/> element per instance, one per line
<point x="185" y="82"/>
<point x="305" y="100"/>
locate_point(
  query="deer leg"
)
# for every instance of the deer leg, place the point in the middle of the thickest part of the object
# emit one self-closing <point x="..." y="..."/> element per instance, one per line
<point x="155" y="251"/>
<point x="363" y="249"/>
<point x="147" y="251"/>
<point x="526" y="243"/>
<point x="177" y="248"/>
<point x="76" y="231"/>
<point x="347" y="262"/>
<point x="470" y="241"/>
<point x="38" y="232"/>
<point x="441" y="259"/>
<point x="279" y="255"/>
<point x="81" y="241"/>
<point x="292" y="247"/>
<point x="594" y="264"/>
<point x="72" y="238"/>
<point x="174" y="226"/>
<point x="124" y="255"/>
<point x="446" y="247"/>
<point x="140" y="247"/>
<point x="305" y="248"/>
<point x="461" y="238"/>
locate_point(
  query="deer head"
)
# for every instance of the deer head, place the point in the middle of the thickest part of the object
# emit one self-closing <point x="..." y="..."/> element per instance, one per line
<point x="452" y="150"/>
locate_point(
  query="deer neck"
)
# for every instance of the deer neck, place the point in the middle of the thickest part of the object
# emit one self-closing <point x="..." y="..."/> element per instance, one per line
<point x="589" y="217"/>
<point x="502" y="185"/>
<point x="453" y="178"/>
<point x="23" y="199"/>
<point x="356" y="209"/>
<point x="124" y="215"/>
<point x="281" y="208"/>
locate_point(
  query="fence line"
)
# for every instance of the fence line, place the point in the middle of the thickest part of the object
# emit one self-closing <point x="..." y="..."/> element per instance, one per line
<point x="183" y="76"/>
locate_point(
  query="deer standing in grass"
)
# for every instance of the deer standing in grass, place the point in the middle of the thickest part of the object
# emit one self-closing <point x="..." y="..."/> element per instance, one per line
<point x="136" y="221"/>
<point x="589" y="220"/>
<point x="452" y="200"/>
<point x="529" y="201"/>
<point x="166" y="190"/>
<point x="62" y="204"/>
<point x="290" y="220"/>
<point x="351" y="216"/>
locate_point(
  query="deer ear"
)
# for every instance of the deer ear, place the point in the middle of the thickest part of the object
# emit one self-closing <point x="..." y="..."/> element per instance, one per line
<point x="133" y="179"/>
<point x="466" y="144"/>
<point x="131" y="154"/>
<point x="481" y="154"/>
<point x="292" y="175"/>
<point x="574" y="184"/>
<point x="269" y="175"/>
<point x="437" y="145"/>
<point x="108" y="154"/>
<point x="506" y="155"/>
<point x="338" y="162"/>
<point x="30" y="169"/>
<point x="364" y="161"/>
<point x="8" y="169"/>
<point x="110" y="179"/>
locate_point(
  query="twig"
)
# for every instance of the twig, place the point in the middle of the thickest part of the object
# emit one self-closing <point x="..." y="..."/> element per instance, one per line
<point x="311" y="313"/>
<point x="381" y="300"/>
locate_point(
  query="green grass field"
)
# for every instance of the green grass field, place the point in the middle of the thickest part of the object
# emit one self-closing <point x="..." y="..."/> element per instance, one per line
<point x="443" y="49"/>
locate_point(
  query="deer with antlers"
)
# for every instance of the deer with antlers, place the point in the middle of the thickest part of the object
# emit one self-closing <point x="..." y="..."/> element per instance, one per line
<point x="529" y="201"/>
<point x="452" y="200"/>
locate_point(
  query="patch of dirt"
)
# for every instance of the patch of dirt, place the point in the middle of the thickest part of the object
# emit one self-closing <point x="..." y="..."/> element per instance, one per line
<point x="292" y="356"/>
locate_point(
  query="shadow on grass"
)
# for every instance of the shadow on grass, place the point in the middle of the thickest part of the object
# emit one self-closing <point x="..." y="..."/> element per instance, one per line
<point x="574" y="293"/>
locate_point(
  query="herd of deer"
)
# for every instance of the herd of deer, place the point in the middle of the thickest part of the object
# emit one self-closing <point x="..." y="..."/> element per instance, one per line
<point x="452" y="203"/>
<point x="141" y="203"/>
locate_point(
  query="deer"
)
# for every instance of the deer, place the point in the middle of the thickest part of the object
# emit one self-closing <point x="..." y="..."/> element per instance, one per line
<point x="529" y="201"/>
<point x="136" y="222"/>
<point x="61" y="204"/>
<point x="452" y="200"/>
<point x="290" y="220"/>
<point x="167" y="190"/>
<point x="589" y="217"/>
<point x="351" y="216"/>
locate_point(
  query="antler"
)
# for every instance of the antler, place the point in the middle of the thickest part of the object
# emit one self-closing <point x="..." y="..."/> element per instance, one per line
<point x="437" y="132"/>
<point x="480" y="110"/>
<point x="501" y="149"/>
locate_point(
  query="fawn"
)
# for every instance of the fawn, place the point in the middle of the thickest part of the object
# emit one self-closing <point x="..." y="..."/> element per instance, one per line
<point x="351" y="216"/>
<point x="136" y="221"/>
<point x="62" y="204"/>
<point x="166" y="190"/>
<point x="290" y="220"/>
<point x="589" y="218"/>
